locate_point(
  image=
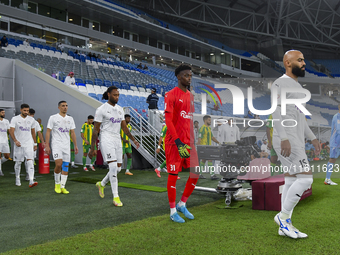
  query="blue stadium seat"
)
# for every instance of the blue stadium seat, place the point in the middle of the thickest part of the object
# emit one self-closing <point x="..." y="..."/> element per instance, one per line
<point x="107" y="83"/>
<point x="78" y="80"/>
<point x="89" y="82"/>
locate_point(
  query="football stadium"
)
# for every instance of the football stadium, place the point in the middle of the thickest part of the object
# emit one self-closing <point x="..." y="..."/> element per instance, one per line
<point x="169" y="127"/>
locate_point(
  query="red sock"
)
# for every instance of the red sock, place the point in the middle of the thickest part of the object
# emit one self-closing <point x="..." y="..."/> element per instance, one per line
<point x="189" y="188"/>
<point x="171" y="186"/>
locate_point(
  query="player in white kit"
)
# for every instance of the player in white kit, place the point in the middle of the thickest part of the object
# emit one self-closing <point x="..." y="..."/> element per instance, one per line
<point x="61" y="126"/>
<point x="22" y="132"/>
<point x="109" y="119"/>
<point x="37" y="134"/>
<point x="4" y="147"/>
<point x="290" y="142"/>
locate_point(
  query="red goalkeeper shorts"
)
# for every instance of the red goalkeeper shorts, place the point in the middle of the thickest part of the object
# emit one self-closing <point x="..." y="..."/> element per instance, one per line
<point x="174" y="163"/>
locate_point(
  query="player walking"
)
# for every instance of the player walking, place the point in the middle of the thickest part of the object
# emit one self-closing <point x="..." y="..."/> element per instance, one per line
<point x="61" y="126"/>
<point x="86" y="134"/>
<point x="22" y="132"/>
<point x="109" y="119"/>
<point x="126" y="144"/>
<point x="179" y="106"/>
<point x="162" y="138"/>
<point x="289" y="141"/>
<point x="204" y="138"/>
<point x="4" y="147"/>
<point x="335" y="147"/>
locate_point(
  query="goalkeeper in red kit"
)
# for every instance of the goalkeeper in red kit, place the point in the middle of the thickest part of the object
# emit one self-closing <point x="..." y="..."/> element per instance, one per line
<point x="180" y="151"/>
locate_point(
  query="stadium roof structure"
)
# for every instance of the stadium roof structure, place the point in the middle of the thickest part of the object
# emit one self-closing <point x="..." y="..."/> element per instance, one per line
<point x="298" y="23"/>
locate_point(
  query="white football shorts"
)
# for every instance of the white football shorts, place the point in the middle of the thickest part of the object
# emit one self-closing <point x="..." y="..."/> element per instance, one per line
<point x="4" y="148"/>
<point x="61" y="153"/>
<point x="20" y="153"/>
<point x="112" y="150"/>
<point x="296" y="163"/>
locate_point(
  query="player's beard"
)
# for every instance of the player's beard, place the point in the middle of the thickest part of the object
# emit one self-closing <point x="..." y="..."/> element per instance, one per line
<point x="298" y="71"/>
<point x="113" y="101"/>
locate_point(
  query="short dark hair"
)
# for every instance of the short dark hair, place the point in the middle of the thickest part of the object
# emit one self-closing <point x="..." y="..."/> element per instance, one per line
<point x="181" y="68"/>
<point x="196" y="121"/>
<point x="1" y="110"/>
<point x="325" y="143"/>
<point x="109" y="89"/>
<point x="127" y="116"/>
<point x="31" y="111"/>
<point x="61" y="102"/>
<point x="206" y="117"/>
<point x="24" y="106"/>
<point x="90" y="117"/>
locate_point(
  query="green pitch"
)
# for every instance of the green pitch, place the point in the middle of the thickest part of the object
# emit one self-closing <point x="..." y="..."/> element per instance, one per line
<point x="38" y="221"/>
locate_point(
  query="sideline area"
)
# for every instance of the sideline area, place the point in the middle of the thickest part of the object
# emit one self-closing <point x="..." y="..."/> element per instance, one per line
<point x="38" y="221"/>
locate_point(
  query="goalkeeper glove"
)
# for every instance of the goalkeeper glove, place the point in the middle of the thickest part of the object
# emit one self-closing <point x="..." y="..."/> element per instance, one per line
<point x="182" y="148"/>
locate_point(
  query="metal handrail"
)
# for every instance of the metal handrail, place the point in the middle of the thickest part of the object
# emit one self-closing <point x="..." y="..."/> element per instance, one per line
<point x="147" y="136"/>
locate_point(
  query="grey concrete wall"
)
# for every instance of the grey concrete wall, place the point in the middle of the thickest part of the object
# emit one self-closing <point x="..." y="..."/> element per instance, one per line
<point x="6" y="83"/>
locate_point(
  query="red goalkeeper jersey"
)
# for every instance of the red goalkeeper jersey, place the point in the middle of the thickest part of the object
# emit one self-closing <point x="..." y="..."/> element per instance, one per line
<point x="179" y="108"/>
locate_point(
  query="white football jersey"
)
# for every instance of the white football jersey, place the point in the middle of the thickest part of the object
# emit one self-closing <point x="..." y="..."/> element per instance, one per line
<point x="295" y="134"/>
<point x="22" y="130"/>
<point x="37" y="127"/>
<point x="61" y="127"/>
<point x="4" y="126"/>
<point x="110" y="118"/>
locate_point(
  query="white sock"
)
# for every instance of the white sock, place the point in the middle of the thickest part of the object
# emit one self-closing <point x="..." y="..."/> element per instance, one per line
<point x="180" y="203"/>
<point x="63" y="179"/>
<point x="113" y="178"/>
<point x="119" y="169"/>
<point x="91" y="165"/>
<point x="57" y="178"/>
<point x="158" y="168"/>
<point x="3" y="160"/>
<point x="289" y="180"/>
<point x="172" y="210"/>
<point x="17" y="169"/>
<point x="72" y="163"/>
<point x="294" y="193"/>
<point x="30" y="170"/>
<point x="105" y="180"/>
<point x="127" y="170"/>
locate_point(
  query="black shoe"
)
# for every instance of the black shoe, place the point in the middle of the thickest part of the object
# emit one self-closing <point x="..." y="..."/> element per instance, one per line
<point x="214" y="177"/>
<point x="202" y="176"/>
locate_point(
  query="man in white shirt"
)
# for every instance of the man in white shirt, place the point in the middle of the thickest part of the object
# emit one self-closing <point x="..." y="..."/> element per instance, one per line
<point x="37" y="134"/>
<point x="22" y="131"/>
<point x="4" y="147"/>
<point x="26" y="43"/>
<point x="61" y="126"/>
<point x="70" y="80"/>
<point x="196" y="130"/>
<point x="109" y="119"/>
<point x="288" y="142"/>
<point x="61" y="47"/>
<point x="229" y="132"/>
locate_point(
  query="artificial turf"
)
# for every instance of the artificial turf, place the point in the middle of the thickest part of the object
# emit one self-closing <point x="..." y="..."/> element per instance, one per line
<point x="122" y="184"/>
<point x="82" y="223"/>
